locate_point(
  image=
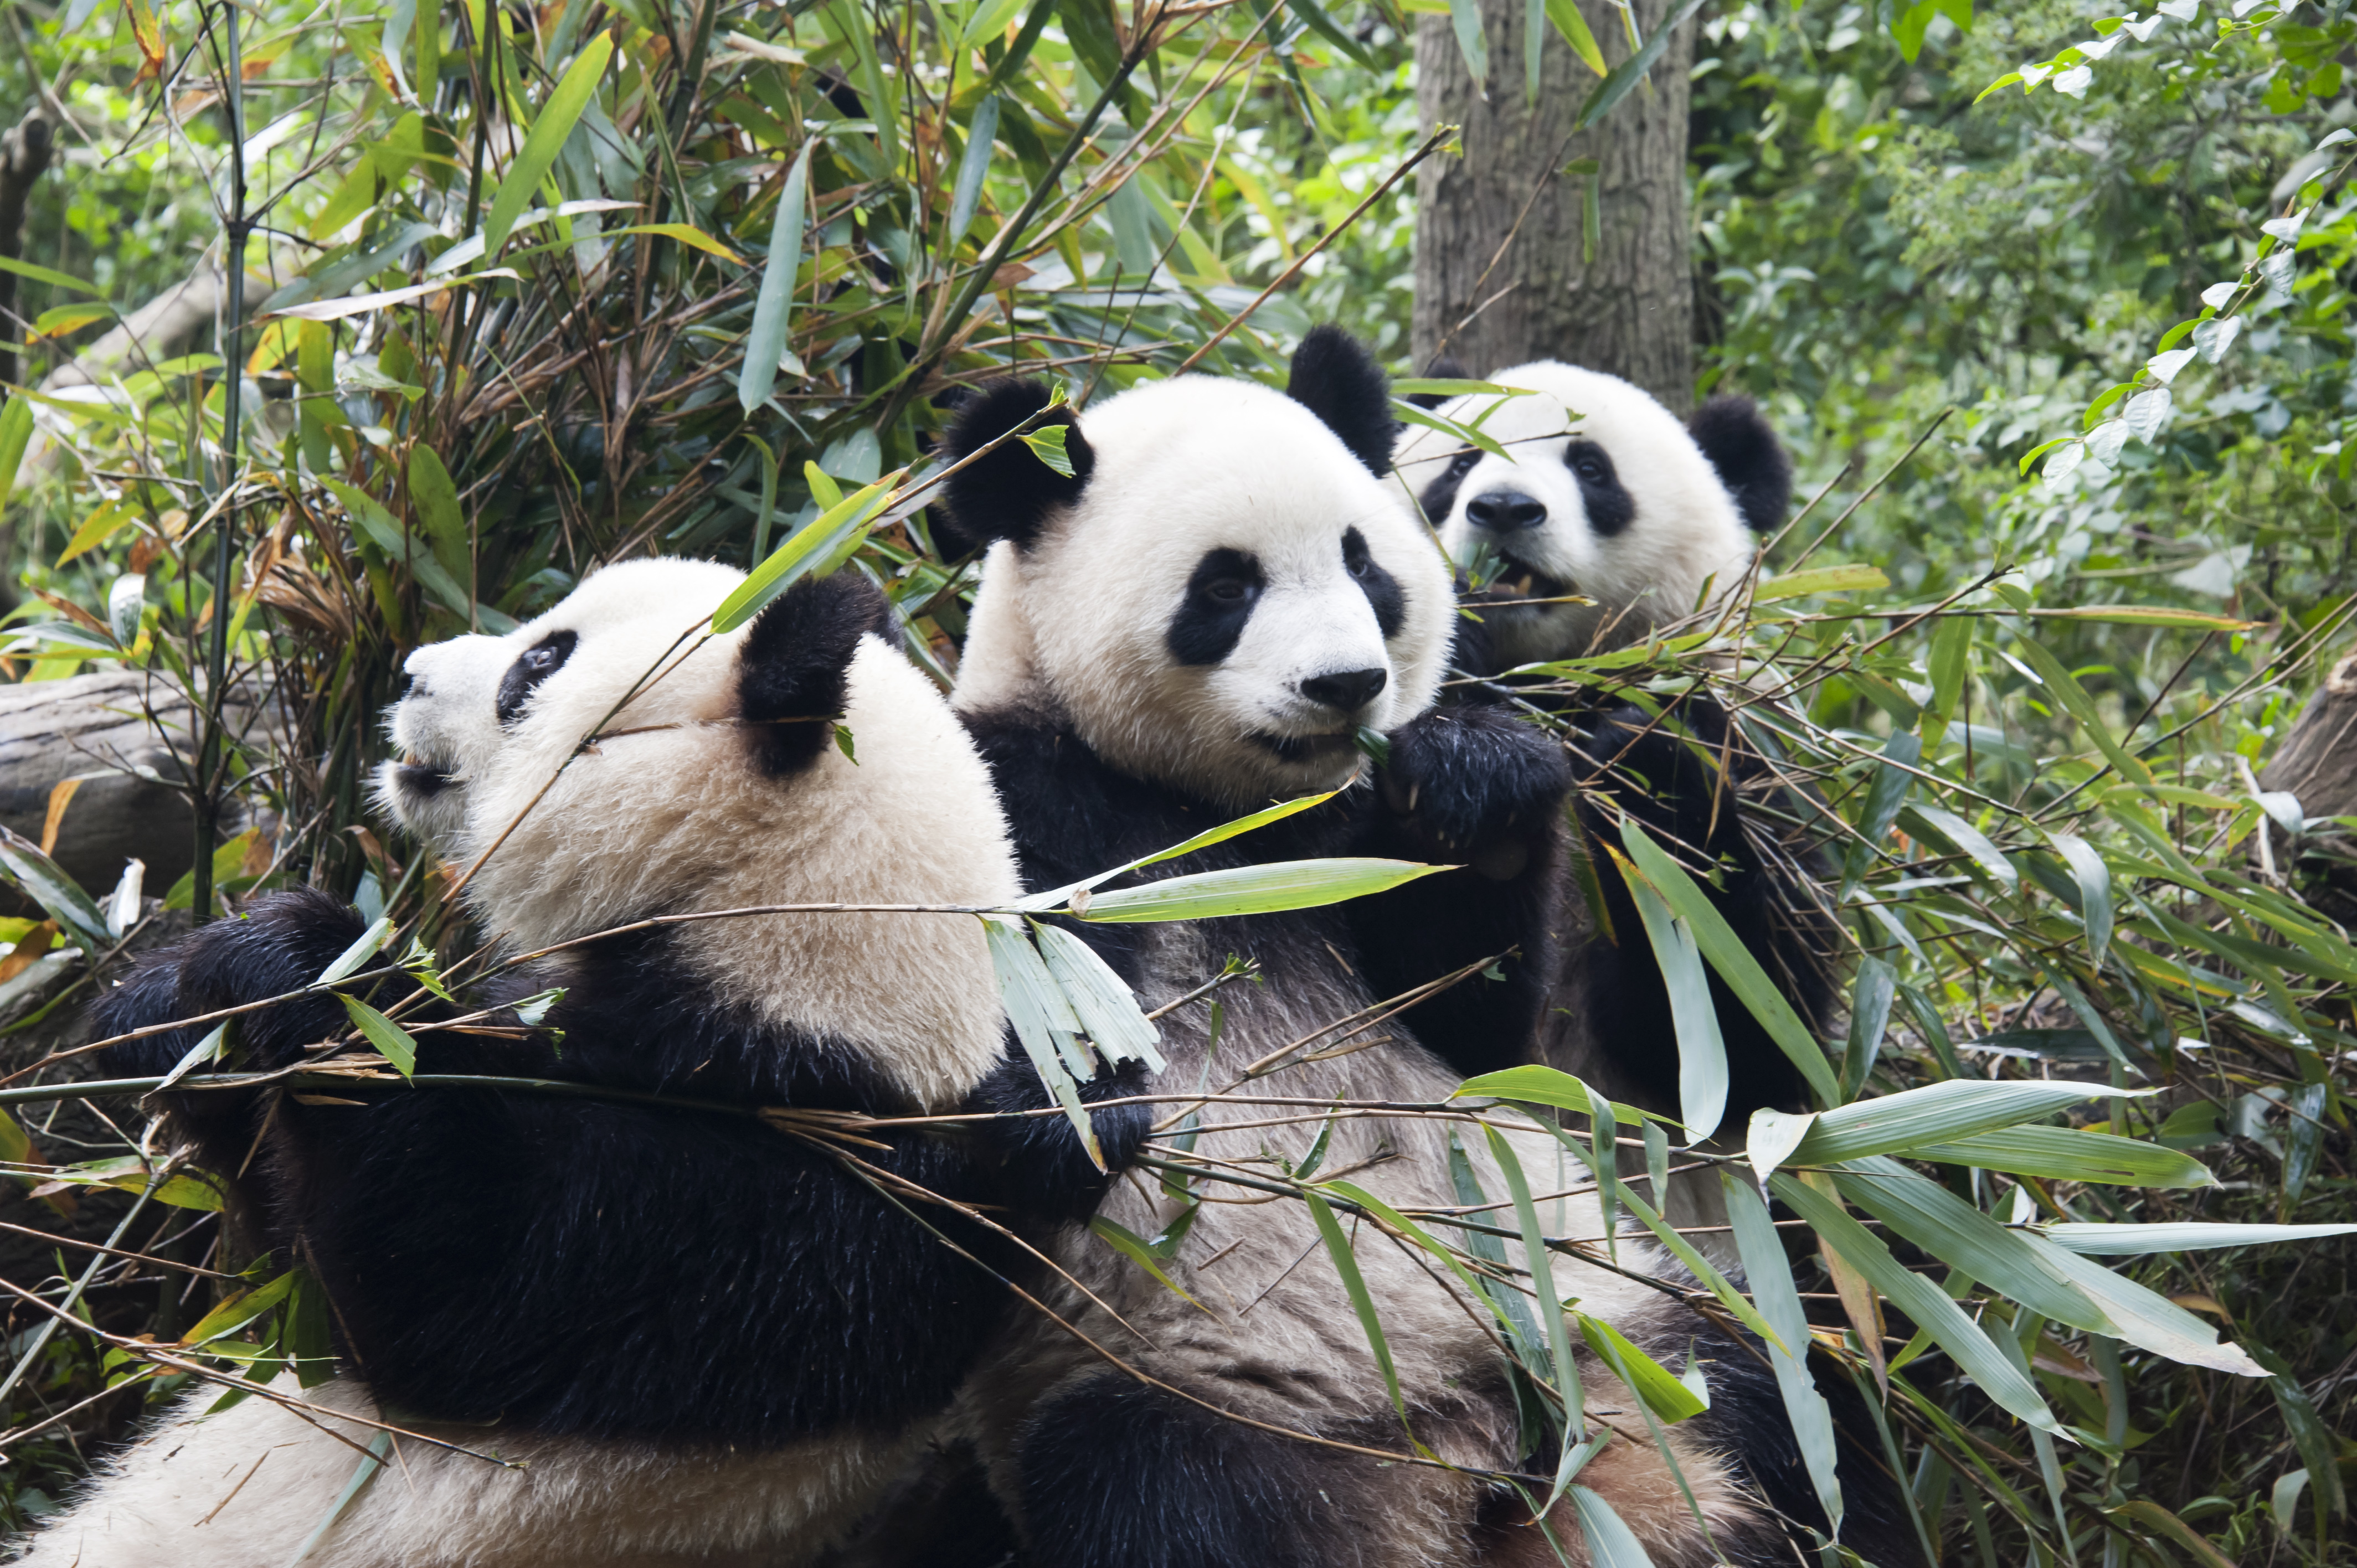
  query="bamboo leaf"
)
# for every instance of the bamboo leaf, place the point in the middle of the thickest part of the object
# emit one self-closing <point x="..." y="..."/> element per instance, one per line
<point x="1130" y="1245"/>
<point x="809" y="549"/>
<point x="2145" y="1317"/>
<point x="971" y="167"/>
<point x="1465" y="20"/>
<point x="545" y="140"/>
<point x="15" y="430"/>
<point x="46" y="883"/>
<point x="1038" y="1013"/>
<point x="1778" y="1301"/>
<point x="2095" y="879"/>
<point x="363" y="948"/>
<point x="1546" y="1086"/>
<point x="49" y="275"/>
<point x="1664" y="1391"/>
<point x="1956" y="1233"/>
<point x="1610" y="1542"/>
<point x="2074" y="696"/>
<point x="436" y="499"/>
<point x="1055" y="898"/>
<point x="1271" y="888"/>
<point x="1105" y="1006"/>
<point x="766" y="339"/>
<point x="2178" y="1235"/>
<point x="1820" y="580"/>
<point x="1346" y="1265"/>
<point x="1940" y="1114"/>
<point x="1985" y="854"/>
<point x="1702" y="1054"/>
<point x="1623" y="78"/>
<point x="1567" y="20"/>
<point x="2072" y="1153"/>
<point x="1921" y="1300"/>
<point x="391" y="1041"/>
<point x="1727" y="955"/>
<point x="1537" y="1259"/>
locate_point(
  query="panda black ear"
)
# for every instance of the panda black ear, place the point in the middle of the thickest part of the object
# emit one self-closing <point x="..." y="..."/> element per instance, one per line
<point x="794" y="666"/>
<point x="1750" y="461"/>
<point x="1008" y="494"/>
<point x="1339" y="380"/>
<point x="1444" y="368"/>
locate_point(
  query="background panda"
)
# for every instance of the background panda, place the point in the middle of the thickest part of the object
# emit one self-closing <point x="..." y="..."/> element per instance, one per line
<point x="1610" y="500"/>
<point x="1195" y="621"/>
<point x="706" y="1339"/>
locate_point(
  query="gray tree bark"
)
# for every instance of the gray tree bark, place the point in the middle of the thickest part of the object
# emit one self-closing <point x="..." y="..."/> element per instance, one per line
<point x="1501" y="275"/>
<point x="2319" y="764"/>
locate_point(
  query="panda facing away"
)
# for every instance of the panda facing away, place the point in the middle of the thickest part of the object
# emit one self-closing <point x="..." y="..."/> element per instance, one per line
<point x="1610" y="501"/>
<point x="703" y="1338"/>
<point x="1194" y="621"/>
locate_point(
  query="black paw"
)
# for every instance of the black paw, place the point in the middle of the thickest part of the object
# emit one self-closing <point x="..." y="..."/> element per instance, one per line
<point x="1477" y="786"/>
<point x="280" y="945"/>
<point x="1047" y="1173"/>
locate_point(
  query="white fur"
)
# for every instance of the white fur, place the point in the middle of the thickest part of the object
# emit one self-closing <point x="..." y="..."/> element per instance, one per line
<point x="670" y="819"/>
<point x="1183" y="468"/>
<point x="1686" y="541"/>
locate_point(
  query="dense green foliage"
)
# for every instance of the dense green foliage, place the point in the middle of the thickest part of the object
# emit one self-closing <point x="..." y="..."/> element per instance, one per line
<point x="780" y="235"/>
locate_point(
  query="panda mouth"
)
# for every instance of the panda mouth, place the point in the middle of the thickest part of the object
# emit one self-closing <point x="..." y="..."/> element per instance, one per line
<point x="1519" y="583"/>
<point x="422" y="777"/>
<point x="1308" y="747"/>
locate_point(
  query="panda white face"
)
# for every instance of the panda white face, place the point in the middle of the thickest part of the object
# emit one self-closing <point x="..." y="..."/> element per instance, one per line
<point x="478" y="704"/>
<point x="1607" y="498"/>
<point x="1224" y="600"/>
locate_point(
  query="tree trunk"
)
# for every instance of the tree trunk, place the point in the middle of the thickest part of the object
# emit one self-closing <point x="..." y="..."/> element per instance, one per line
<point x="24" y="154"/>
<point x="1502" y="276"/>
<point x="2318" y="763"/>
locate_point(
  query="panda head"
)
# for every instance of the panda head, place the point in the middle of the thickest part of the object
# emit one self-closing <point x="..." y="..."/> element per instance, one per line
<point x="715" y="780"/>
<point x="1223" y="591"/>
<point x="1606" y="496"/>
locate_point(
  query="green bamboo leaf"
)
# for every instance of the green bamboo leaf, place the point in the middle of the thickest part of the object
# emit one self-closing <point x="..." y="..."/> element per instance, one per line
<point x="2183" y="1536"/>
<point x="1957" y="1234"/>
<point x="1533" y="47"/>
<point x="363" y="948"/>
<point x="1567" y="20"/>
<point x="989" y="19"/>
<point x="1105" y="1006"/>
<point x="2095" y="879"/>
<point x="1623" y="78"/>
<point x="1465" y="20"/>
<point x="1946" y="824"/>
<point x="363" y="1474"/>
<point x="545" y="140"/>
<point x="1610" y="1542"/>
<point x="2074" y="696"/>
<point x="1820" y="580"/>
<point x="1869" y="1015"/>
<point x="1761" y="1248"/>
<point x="2147" y="614"/>
<point x="1550" y="1304"/>
<point x="1921" y="1300"/>
<point x="1327" y="28"/>
<point x="2146" y="1318"/>
<point x="47" y="883"/>
<point x="436" y="498"/>
<point x="238" y="1311"/>
<point x="2318" y="1443"/>
<point x="391" y="1041"/>
<point x="1729" y="956"/>
<point x="15" y="430"/>
<point x="1519" y="1330"/>
<point x="2070" y="1154"/>
<point x="1940" y="1114"/>
<point x="809" y="549"/>
<point x="1038" y="1014"/>
<point x="1546" y="1086"/>
<point x="1346" y="1265"/>
<point x="766" y="339"/>
<point x="1664" y="1391"/>
<point x="1131" y="1245"/>
<point x="1266" y="889"/>
<point x="971" y="167"/>
<point x="1702" y="1054"/>
<point x="205" y="1051"/>
<point x="2178" y="1235"/>
<point x="1465" y="435"/>
<point x="1949" y="658"/>
<point x="1056" y="898"/>
<point x="54" y="278"/>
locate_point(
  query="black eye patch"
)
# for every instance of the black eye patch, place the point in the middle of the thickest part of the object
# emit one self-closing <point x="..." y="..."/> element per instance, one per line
<point x="1610" y="507"/>
<point x="1439" y="498"/>
<point x="1220" y="594"/>
<point x="1382" y="589"/>
<point x="533" y="666"/>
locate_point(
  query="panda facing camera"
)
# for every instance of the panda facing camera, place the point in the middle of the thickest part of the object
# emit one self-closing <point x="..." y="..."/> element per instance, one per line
<point x="1607" y="500"/>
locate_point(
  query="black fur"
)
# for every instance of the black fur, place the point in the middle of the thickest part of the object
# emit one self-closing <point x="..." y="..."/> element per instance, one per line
<point x="1444" y="368"/>
<point x="1045" y="1169"/>
<point x="533" y="666"/>
<point x="1115" y="1472"/>
<point x="1336" y="378"/>
<point x="1009" y="494"/>
<point x="1750" y="461"/>
<point x="1439" y="498"/>
<point x="1651" y="772"/>
<point x="1610" y="509"/>
<point x="795" y="664"/>
<point x="1221" y="592"/>
<point x="1383" y="593"/>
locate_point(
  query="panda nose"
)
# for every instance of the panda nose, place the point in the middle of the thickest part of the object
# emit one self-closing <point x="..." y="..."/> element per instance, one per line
<point x="1347" y="691"/>
<point x="1504" y="511"/>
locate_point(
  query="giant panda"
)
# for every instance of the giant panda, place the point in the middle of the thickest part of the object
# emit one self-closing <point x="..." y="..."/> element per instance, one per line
<point x="1194" y="621"/>
<point x="1611" y="519"/>
<point x="697" y="1338"/>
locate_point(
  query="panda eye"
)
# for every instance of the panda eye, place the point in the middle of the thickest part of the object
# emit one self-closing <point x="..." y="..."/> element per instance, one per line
<point x="1357" y="565"/>
<point x="1462" y="464"/>
<point x="1228" y="590"/>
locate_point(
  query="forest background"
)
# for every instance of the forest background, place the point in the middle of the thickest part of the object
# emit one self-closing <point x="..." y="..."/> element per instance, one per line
<point x="2050" y="303"/>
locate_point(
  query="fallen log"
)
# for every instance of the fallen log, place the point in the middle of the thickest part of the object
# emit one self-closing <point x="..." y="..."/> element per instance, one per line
<point x="2318" y="765"/>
